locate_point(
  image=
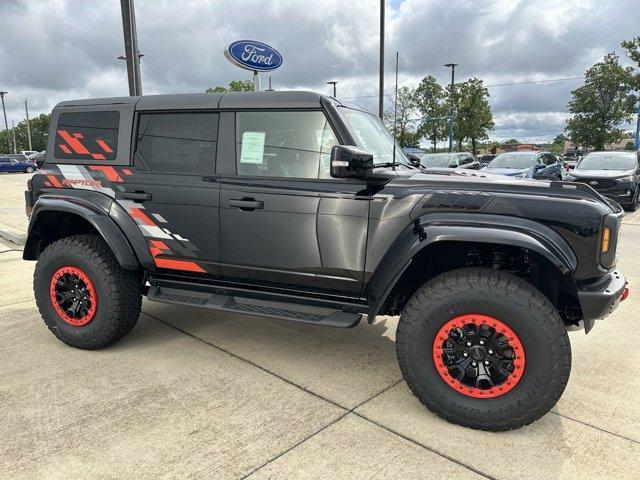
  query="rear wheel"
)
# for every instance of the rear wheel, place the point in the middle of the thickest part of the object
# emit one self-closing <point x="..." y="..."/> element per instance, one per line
<point x="30" y="170"/>
<point x="483" y="349"/>
<point x="84" y="296"/>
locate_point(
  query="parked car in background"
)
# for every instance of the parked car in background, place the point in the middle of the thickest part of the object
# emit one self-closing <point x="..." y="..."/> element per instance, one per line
<point x="9" y="164"/>
<point x="28" y="153"/>
<point x="615" y="175"/>
<point x="486" y="159"/>
<point x="570" y="163"/>
<point x="539" y="165"/>
<point x="38" y="158"/>
<point x="449" y="160"/>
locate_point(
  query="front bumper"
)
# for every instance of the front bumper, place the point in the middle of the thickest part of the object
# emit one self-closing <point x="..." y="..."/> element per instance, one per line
<point x="598" y="299"/>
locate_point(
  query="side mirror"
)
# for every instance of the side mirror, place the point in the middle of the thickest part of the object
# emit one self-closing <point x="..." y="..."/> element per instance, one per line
<point x="350" y="162"/>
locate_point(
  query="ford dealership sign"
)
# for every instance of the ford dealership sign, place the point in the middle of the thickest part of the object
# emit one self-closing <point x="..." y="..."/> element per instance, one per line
<point x="254" y="56"/>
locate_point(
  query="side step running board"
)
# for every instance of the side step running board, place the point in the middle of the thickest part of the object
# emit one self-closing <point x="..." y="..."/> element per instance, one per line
<point x="251" y="306"/>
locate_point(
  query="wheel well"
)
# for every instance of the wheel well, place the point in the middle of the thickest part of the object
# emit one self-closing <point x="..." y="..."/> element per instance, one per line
<point x="444" y="256"/>
<point x="51" y="226"/>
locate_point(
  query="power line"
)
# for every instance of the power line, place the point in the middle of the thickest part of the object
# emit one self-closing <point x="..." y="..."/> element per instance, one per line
<point x="527" y="82"/>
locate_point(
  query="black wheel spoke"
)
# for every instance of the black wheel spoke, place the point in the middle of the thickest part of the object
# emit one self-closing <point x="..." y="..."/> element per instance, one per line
<point x="478" y="356"/>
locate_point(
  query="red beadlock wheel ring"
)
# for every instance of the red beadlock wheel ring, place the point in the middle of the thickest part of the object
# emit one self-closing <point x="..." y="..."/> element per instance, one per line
<point x="73" y="296"/>
<point x="467" y="340"/>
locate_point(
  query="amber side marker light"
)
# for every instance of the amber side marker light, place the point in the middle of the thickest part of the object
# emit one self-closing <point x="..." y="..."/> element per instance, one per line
<point x="606" y="237"/>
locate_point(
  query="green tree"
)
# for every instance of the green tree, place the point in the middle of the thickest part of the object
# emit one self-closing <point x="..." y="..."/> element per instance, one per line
<point x="474" y="120"/>
<point x="633" y="52"/>
<point x="557" y="146"/>
<point x="39" y="134"/>
<point x="602" y="104"/>
<point x="403" y="126"/>
<point x="429" y="98"/>
<point x="234" y="86"/>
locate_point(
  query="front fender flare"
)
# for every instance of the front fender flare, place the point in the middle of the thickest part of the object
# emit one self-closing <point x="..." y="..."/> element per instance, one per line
<point x="430" y="229"/>
<point x="96" y="214"/>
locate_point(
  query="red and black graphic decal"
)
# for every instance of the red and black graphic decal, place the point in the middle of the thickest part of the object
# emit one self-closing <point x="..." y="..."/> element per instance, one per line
<point x="159" y="249"/>
<point x="87" y="135"/>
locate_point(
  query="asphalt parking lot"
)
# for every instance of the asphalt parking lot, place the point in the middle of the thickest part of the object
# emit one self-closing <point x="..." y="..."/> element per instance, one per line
<point x="191" y="393"/>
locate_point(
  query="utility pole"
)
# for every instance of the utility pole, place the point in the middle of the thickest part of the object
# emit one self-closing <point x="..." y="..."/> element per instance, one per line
<point x="26" y="111"/>
<point x="13" y="132"/>
<point x="453" y="102"/>
<point x="638" y="128"/>
<point x="381" y="86"/>
<point x="395" y="120"/>
<point x="132" y="53"/>
<point x="6" y="124"/>
<point x="334" y="87"/>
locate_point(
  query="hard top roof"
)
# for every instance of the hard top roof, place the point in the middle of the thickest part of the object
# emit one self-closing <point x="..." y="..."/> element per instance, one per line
<point x="231" y="100"/>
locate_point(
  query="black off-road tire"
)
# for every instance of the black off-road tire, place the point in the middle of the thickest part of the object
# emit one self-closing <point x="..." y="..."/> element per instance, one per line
<point x="522" y="308"/>
<point x="118" y="292"/>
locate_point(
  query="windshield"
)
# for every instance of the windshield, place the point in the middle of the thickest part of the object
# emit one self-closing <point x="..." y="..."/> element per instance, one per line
<point x="435" y="160"/>
<point x="373" y="136"/>
<point x="513" y="160"/>
<point x="608" y="161"/>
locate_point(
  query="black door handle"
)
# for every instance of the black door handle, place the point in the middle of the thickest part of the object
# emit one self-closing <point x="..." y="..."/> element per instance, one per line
<point x="137" y="196"/>
<point x="246" y="204"/>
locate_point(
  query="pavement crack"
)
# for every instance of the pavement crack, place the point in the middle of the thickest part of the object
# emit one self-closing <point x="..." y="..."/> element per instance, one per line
<point x="595" y="427"/>
<point x="426" y="447"/>
<point x="346" y="411"/>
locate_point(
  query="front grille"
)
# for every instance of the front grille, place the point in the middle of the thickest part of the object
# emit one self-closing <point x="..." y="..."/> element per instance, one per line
<point x="600" y="184"/>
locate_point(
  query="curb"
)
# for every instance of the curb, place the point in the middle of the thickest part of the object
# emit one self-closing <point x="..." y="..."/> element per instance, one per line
<point x="12" y="235"/>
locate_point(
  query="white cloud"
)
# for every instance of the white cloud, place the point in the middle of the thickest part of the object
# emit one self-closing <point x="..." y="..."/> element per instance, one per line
<point x="62" y="49"/>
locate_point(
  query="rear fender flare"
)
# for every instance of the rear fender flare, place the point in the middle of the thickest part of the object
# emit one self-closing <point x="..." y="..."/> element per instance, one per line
<point x="96" y="214"/>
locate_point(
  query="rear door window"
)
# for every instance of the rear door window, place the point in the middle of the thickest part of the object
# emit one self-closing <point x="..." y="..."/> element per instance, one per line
<point x="87" y="135"/>
<point x="177" y="142"/>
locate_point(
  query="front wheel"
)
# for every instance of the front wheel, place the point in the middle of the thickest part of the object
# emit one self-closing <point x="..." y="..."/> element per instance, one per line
<point x="483" y="349"/>
<point x="29" y="170"/>
<point x="84" y="296"/>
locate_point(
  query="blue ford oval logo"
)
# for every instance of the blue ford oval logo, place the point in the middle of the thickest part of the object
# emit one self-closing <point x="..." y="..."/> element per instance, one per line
<point x="252" y="55"/>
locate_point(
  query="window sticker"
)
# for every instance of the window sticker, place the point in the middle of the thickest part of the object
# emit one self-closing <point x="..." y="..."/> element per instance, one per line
<point x="252" y="148"/>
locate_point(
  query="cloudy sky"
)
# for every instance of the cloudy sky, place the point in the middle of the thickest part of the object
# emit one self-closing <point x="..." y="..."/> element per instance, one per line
<point x="53" y="50"/>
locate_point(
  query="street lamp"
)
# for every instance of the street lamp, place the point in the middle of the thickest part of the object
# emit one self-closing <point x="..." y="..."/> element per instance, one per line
<point x="334" y="88"/>
<point x="453" y="102"/>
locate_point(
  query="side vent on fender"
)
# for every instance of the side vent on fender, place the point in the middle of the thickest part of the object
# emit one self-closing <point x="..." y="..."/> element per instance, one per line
<point x="452" y="200"/>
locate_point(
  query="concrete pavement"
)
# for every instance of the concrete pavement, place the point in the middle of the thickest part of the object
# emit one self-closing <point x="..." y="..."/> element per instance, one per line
<point x="191" y="393"/>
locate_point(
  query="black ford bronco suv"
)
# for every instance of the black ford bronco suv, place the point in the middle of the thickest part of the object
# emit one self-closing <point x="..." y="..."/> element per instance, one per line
<point x="295" y="206"/>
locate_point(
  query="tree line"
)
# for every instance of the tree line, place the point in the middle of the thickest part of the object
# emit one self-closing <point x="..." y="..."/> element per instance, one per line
<point x="424" y="113"/>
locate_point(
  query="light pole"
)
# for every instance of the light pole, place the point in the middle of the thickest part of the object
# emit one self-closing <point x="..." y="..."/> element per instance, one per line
<point x="334" y="87"/>
<point x="132" y="53"/>
<point x="6" y="124"/>
<point x="381" y="86"/>
<point x="453" y="102"/>
<point x="26" y="111"/>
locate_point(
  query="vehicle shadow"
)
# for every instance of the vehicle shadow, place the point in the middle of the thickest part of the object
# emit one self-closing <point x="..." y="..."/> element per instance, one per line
<point x="345" y="366"/>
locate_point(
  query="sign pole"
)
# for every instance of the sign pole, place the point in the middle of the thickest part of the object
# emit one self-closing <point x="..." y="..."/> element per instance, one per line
<point x="256" y="81"/>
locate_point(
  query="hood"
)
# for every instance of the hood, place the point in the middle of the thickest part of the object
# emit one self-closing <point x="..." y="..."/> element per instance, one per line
<point x="509" y="172"/>
<point x="601" y="173"/>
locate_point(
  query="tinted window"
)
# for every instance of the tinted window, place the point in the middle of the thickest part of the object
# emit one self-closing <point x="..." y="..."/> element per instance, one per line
<point x="435" y="160"/>
<point x="283" y="144"/>
<point x="609" y="161"/>
<point x="465" y="160"/>
<point x="513" y="160"/>
<point x="87" y="135"/>
<point x="177" y="142"/>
